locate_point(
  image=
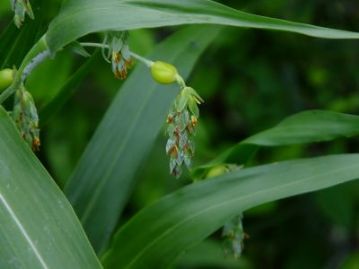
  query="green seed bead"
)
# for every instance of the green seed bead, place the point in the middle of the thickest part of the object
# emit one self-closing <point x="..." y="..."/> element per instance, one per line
<point x="6" y="78"/>
<point x="217" y="171"/>
<point x="163" y="73"/>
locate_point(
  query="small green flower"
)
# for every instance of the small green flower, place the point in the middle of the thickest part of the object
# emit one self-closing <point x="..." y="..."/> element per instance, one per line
<point x="26" y="117"/>
<point x="119" y="54"/>
<point x="183" y="116"/>
<point x="20" y="8"/>
<point x="234" y="236"/>
<point x="182" y="121"/>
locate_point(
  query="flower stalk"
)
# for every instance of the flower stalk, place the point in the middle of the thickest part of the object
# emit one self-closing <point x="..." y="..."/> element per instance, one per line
<point x="20" y="8"/>
<point x="183" y="116"/>
<point x="38" y="48"/>
<point x="24" y="111"/>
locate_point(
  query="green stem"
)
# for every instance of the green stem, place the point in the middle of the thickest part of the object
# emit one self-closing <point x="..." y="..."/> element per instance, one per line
<point x="39" y="58"/>
<point x="145" y="61"/>
<point x="180" y="81"/>
<point x="94" y="45"/>
<point x="6" y="94"/>
<point x="38" y="48"/>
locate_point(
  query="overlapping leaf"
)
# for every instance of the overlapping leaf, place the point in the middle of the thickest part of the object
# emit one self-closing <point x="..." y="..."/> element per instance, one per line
<point x="191" y="214"/>
<point x="304" y="127"/>
<point x="39" y="229"/>
<point x="103" y="179"/>
<point x="80" y="17"/>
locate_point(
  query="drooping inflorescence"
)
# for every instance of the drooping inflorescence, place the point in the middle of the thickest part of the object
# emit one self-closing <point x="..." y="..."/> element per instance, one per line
<point x="183" y="116"/>
<point x="26" y="117"/>
<point x="234" y="236"/>
<point x="20" y="8"/>
<point x="118" y="53"/>
<point x="181" y="127"/>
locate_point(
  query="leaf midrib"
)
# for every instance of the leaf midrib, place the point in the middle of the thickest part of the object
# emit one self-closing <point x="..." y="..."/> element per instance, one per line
<point x="23" y="231"/>
<point x="12" y="213"/>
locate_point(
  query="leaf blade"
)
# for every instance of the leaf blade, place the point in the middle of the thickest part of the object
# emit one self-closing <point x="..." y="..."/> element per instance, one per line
<point x="310" y="126"/>
<point x="87" y="16"/>
<point x="194" y="212"/>
<point x="39" y="228"/>
<point x="125" y="136"/>
<point x="66" y="91"/>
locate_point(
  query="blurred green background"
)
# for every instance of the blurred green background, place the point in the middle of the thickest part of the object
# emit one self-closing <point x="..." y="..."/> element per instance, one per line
<point x="250" y="80"/>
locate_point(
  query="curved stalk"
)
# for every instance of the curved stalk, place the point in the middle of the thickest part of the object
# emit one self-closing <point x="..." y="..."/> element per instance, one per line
<point x="29" y="62"/>
<point x="145" y="61"/>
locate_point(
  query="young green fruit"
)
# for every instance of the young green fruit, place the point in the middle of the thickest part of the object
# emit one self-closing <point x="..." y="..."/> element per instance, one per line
<point x="6" y="78"/>
<point x="163" y="73"/>
<point x="217" y="171"/>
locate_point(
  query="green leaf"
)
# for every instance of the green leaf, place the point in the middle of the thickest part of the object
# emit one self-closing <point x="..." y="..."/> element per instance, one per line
<point x="103" y="179"/>
<point x="351" y="261"/>
<point x="80" y="17"/>
<point x="16" y="43"/>
<point x="39" y="229"/>
<point x="210" y="254"/>
<point x="76" y="47"/>
<point x="158" y="234"/>
<point x="66" y="91"/>
<point x="7" y="37"/>
<point x="304" y="127"/>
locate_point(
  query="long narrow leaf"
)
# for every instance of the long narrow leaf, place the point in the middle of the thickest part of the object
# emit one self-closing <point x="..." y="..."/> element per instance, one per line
<point x="103" y="179"/>
<point x="16" y="43"/>
<point x="66" y="91"/>
<point x="161" y="232"/>
<point x="39" y="229"/>
<point x="305" y="127"/>
<point x="82" y="17"/>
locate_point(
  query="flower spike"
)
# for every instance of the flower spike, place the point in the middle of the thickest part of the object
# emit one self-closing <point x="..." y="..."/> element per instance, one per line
<point x="119" y="54"/>
<point x="20" y="8"/>
<point x="26" y="117"/>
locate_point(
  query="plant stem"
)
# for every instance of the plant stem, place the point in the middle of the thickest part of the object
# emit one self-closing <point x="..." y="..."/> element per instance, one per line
<point x="180" y="81"/>
<point x="34" y="63"/>
<point x="6" y="94"/>
<point x="145" y="61"/>
<point x="94" y="45"/>
<point x="28" y="64"/>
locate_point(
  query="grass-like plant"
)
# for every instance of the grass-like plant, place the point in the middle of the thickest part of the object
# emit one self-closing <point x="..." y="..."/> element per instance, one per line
<point x="46" y="226"/>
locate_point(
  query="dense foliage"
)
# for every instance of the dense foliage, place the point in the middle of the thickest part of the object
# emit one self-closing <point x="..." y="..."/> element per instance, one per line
<point x="250" y="79"/>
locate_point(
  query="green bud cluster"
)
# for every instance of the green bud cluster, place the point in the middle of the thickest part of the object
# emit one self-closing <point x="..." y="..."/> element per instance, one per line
<point x="118" y="53"/>
<point x="234" y="236"/>
<point x="182" y="121"/>
<point x="182" y="118"/>
<point x="20" y="8"/>
<point x="26" y="117"/>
